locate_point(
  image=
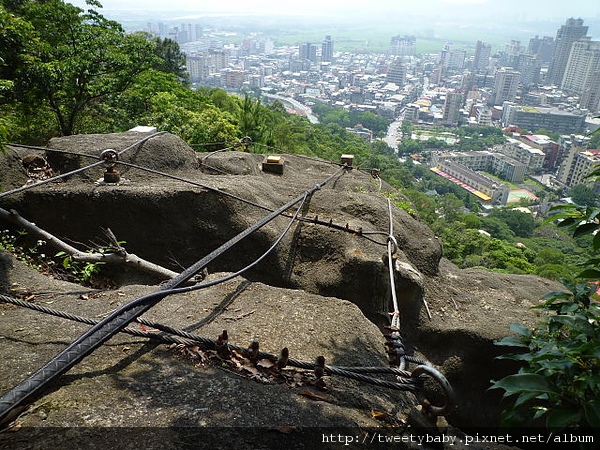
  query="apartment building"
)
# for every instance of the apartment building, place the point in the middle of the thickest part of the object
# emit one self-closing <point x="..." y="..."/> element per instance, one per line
<point x="570" y="32"/>
<point x="499" y="164"/>
<point x="487" y="189"/>
<point x="582" y="66"/>
<point x="573" y="163"/>
<point x="532" y="157"/>
<point x="533" y="118"/>
<point x="506" y="83"/>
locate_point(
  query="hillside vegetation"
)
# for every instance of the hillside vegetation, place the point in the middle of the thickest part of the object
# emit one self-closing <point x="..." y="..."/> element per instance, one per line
<point x="67" y="71"/>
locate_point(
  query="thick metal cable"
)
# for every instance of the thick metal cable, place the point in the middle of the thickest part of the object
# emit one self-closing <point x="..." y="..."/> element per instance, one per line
<point x="117" y="320"/>
<point x="50" y="180"/>
<point x="199" y="339"/>
<point x="363" y="234"/>
<point x="140" y="142"/>
<point x="249" y="202"/>
<point x="76" y="171"/>
<point x="405" y="381"/>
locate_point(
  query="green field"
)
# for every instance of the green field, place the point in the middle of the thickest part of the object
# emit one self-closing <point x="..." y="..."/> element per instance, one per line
<point x="350" y="35"/>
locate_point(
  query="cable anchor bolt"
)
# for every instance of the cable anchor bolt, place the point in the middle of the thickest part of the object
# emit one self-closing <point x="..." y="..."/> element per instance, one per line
<point x="111" y="174"/>
<point x="246" y="141"/>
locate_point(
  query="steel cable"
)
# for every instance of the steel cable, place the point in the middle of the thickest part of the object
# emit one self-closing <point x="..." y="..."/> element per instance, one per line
<point x="390" y="250"/>
<point x="76" y="171"/>
<point x="248" y="202"/>
<point x="117" y="320"/>
<point x="406" y="382"/>
<point x="363" y="234"/>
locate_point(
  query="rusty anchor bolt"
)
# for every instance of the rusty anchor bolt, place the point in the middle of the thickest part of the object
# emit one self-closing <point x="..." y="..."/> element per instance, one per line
<point x="283" y="358"/>
<point x="253" y="351"/>
<point x="222" y="347"/>
<point x="319" y="372"/>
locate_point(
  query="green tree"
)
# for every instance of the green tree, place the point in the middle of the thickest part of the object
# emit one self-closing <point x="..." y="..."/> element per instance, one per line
<point x="521" y="223"/>
<point x="410" y="146"/>
<point x="472" y="221"/>
<point x="406" y="129"/>
<point x="252" y="120"/>
<point x="583" y="195"/>
<point x="170" y="57"/>
<point x="497" y="228"/>
<point x="425" y="206"/>
<point x="451" y="207"/>
<point x="76" y="59"/>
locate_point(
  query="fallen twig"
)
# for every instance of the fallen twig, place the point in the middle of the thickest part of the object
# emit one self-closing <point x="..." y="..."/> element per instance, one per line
<point x="119" y="256"/>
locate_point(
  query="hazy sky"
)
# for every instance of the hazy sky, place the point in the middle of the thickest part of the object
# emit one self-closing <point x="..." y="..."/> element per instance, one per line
<point x="524" y="9"/>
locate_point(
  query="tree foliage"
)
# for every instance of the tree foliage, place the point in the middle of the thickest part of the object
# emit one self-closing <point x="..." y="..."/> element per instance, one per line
<point x="583" y="195"/>
<point x="73" y="60"/>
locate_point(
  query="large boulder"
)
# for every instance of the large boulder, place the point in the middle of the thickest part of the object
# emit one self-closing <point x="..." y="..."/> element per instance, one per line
<point x="129" y="382"/>
<point x="329" y="261"/>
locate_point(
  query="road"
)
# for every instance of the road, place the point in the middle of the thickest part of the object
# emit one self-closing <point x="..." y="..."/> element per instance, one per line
<point x="296" y="106"/>
<point x="392" y="137"/>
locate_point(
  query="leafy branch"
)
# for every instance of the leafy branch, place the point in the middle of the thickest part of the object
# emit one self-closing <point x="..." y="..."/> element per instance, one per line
<point x="560" y="377"/>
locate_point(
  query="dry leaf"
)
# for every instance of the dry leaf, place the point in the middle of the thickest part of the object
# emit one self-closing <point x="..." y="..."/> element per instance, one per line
<point x="84" y="297"/>
<point x="121" y="294"/>
<point x="126" y="349"/>
<point x="378" y="414"/>
<point x="265" y="363"/>
<point x="312" y="396"/>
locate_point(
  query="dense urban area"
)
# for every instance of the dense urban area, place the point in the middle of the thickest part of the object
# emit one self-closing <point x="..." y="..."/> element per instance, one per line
<point x="543" y="94"/>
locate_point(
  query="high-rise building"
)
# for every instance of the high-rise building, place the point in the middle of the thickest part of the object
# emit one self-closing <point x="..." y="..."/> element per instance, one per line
<point x="482" y="56"/>
<point x="308" y="51"/>
<point x="583" y="64"/>
<point x="542" y="48"/>
<point x="397" y="72"/>
<point x="452" y="59"/>
<point x="590" y="97"/>
<point x="403" y="45"/>
<point x="529" y="67"/>
<point x="452" y="106"/>
<point x="572" y="31"/>
<point x="327" y="49"/>
<point x="506" y="83"/>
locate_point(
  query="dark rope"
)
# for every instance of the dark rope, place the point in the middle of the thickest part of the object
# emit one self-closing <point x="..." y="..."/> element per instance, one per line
<point x="406" y="383"/>
<point x="117" y="320"/>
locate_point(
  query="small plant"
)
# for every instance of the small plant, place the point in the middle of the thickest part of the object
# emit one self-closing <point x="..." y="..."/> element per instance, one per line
<point x="60" y="266"/>
<point x="32" y="255"/>
<point x="560" y="378"/>
<point x="83" y="272"/>
<point x="401" y="203"/>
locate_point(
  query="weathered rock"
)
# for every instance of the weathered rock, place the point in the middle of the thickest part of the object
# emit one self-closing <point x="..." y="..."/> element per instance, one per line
<point x="470" y="310"/>
<point x="174" y="224"/>
<point x="130" y="383"/>
<point x="163" y="152"/>
<point x="12" y="171"/>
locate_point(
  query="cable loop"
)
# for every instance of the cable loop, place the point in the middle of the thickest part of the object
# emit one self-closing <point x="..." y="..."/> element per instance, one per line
<point x="450" y="398"/>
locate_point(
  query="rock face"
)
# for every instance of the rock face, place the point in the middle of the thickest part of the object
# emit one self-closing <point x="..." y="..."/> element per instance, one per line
<point x="302" y="295"/>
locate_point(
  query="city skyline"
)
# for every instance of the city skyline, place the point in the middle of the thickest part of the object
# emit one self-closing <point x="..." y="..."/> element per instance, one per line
<point x="531" y="10"/>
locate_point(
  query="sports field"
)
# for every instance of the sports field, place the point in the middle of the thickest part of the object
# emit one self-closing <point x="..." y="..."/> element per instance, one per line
<point x="517" y="194"/>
